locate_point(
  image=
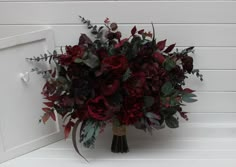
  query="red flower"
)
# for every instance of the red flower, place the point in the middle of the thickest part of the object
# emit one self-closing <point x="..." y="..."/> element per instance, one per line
<point x="76" y="51"/>
<point x="110" y="87"/>
<point x="117" y="64"/>
<point x="135" y="85"/>
<point x="71" y="54"/>
<point x="150" y="69"/>
<point x="102" y="53"/>
<point x="65" y="59"/>
<point x="131" y="110"/>
<point x="99" y="109"/>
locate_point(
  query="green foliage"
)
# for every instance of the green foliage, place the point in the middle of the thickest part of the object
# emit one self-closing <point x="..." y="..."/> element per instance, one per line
<point x="172" y="122"/>
<point x="148" y="101"/>
<point x="89" y="133"/>
<point x="127" y="74"/>
<point x="169" y="64"/>
<point x="167" y="89"/>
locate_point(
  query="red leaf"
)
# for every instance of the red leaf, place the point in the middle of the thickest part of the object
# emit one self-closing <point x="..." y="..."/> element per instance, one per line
<point x="45" y="117"/>
<point x="133" y="31"/>
<point x="161" y="44"/>
<point x="49" y="104"/>
<point x="169" y="48"/>
<point x="47" y="110"/>
<point x="121" y="43"/>
<point x="67" y="129"/>
<point x="45" y="85"/>
<point x="52" y="115"/>
<point x="52" y="98"/>
<point x="141" y="31"/>
<point x="184" y="115"/>
<point x="159" y="57"/>
<point x="187" y="90"/>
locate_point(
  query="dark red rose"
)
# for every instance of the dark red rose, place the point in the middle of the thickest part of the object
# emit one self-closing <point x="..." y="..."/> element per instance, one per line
<point x="187" y="62"/>
<point x="102" y="53"/>
<point x="159" y="57"/>
<point x="116" y="64"/>
<point x="131" y="110"/>
<point x="109" y="87"/>
<point x="135" y="84"/>
<point x="150" y="69"/>
<point x="99" y="109"/>
<point x="76" y="51"/>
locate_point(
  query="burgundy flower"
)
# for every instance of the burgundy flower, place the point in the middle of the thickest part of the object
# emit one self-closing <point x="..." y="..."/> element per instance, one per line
<point x="76" y="51"/>
<point x="131" y="110"/>
<point x="99" y="109"/>
<point x="135" y="85"/>
<point x="115" y="64"/>
<point x="187" y="63"/>
<point x="150" y="69"/>
<point x="65" y="59"/>
<point x="109" y="87"/>
<point x="102" y="53"/>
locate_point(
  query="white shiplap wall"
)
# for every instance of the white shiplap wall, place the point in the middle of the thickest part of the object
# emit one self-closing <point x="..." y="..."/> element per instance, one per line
<point x="208" y="25"/>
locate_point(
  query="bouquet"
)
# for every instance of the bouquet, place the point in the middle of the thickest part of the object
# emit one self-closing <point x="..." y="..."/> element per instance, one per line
<point x="133" y="81"/>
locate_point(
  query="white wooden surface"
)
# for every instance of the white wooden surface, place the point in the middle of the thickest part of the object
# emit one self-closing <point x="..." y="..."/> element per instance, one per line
<point x="208" y="25"/>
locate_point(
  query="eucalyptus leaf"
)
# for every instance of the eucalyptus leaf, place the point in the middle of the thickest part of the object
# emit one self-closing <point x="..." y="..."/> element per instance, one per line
<point x="188" y="99"/>
<point x="167" y="88"/>
<point x="126" y="74"/>
<point x="152" y="115"/>
<point x="78" y="60"/>
<point x="155" y="122"/>
<point x="89" y="135"/>
<point x="91" y="60"/>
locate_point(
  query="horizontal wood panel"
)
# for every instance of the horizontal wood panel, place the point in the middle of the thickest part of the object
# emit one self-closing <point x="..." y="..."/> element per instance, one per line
<point x="158" y="12"/>
<point x="210" y="35"/>
<point x="213" y="102"/>
<point x="214" y="80"/>
<point x="214" y="58"/>
<point x="182" y="35"/>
